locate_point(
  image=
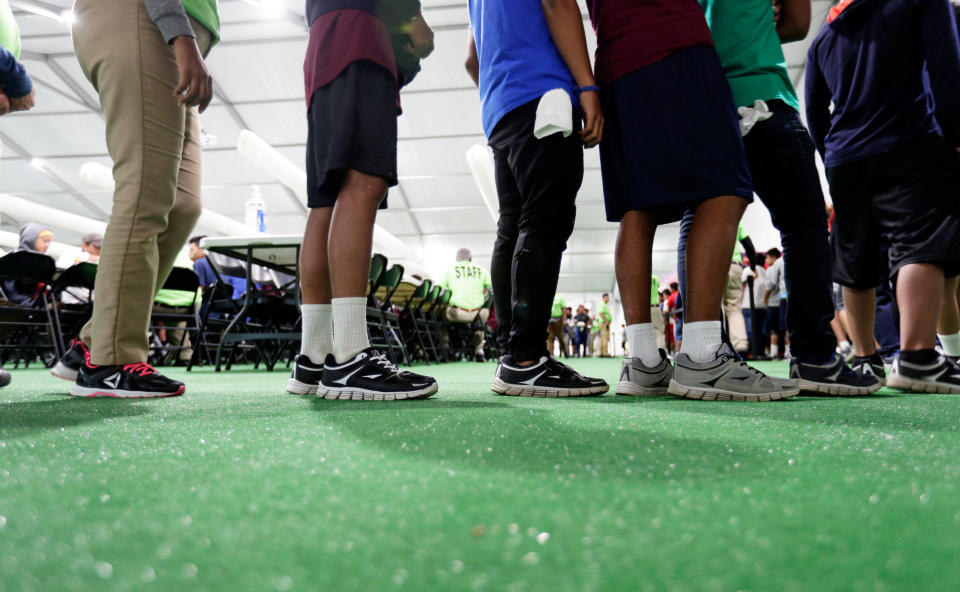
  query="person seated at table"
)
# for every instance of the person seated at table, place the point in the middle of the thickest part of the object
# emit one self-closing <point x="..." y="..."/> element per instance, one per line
<point x="352" y="83"/>
<point x="90" y="244"/>
<point x="204" y="270"/>
<point x="34" y="238"/>
<point x="469" y="283"/>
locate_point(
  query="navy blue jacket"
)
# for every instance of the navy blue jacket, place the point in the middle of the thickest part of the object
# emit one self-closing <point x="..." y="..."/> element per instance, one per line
<point x="13" y="76"/>
<point x="869" y="63"/>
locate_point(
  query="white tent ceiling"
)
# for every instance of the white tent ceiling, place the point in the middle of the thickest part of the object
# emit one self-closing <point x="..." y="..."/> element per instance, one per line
<point x="258" y="72"/>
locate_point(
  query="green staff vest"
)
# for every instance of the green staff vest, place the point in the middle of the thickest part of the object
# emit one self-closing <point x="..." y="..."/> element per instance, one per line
<point x="9" y="33"/>
<point x="206" y="13"/>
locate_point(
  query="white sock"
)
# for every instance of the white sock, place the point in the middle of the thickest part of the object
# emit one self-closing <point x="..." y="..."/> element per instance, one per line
<point x="774" y="351"/>
<point x="950" y="344"/>
<point x="317" y="340"/>
<point x="701" y="340"/>
<point x="643" y="344"/>
<point x="349" y="328"/>
<point x="844" y="344"/>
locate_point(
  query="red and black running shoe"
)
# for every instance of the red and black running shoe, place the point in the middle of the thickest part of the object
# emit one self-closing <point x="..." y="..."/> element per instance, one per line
<point x="132" y="381"/>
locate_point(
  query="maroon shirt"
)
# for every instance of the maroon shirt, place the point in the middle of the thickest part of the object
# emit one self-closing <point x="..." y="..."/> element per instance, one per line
<point x="632" y="34"/>
<point x="339" y="38"/>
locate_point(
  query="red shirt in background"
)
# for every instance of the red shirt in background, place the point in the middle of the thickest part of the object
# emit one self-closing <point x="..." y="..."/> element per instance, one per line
<point x="632" y="34"/>
<point x="339" y="38"/>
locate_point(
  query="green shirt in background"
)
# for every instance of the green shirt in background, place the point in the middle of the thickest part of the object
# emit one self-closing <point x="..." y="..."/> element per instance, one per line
<point x="603" y="314"/>
<point x="737" y="249"/>
<point x="206" y="13"/>
<point x="559" y="303"/>
<point x="467" y="281"/>
<point x="749" y="48"/>
<point x="654" y="291"/>
<point x="176" y="298"/>
<point x="9" y="32"/>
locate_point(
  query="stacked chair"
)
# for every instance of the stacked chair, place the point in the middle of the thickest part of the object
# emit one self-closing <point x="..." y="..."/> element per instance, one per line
<point x="186" y="323"/>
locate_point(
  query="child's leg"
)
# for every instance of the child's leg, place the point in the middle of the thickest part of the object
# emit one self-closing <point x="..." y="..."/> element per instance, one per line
<point x="948" y="325"/>
<point x="316" y="312"/>
<point x="861" y="310"/>
<point x="919" y="292"/>
<point x="633" y="262"/>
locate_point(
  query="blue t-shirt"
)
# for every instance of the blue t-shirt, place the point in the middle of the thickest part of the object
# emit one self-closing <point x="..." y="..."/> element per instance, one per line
<point x="518" y="59"/>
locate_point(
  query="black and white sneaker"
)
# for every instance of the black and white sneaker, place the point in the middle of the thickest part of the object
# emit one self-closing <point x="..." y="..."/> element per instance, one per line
<point x="4" y="378"/>
<point x="370" y="376"/>
<point x="832" y="378"/>
<point x="132" y="381"/>
<point x="939" y="376"/>
<point x="69" y="365"/>
<point x="547" y="378"/>
<point x="305" y="377"/>
<point x="872" y="365"/>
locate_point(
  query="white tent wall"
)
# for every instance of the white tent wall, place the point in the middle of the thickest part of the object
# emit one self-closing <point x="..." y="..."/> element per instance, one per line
<point x="437" y="206"/>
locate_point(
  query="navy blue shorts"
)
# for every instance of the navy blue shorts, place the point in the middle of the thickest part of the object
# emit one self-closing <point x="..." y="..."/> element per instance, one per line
<point x="671" y="137"/>
<point x="773" y="320"/>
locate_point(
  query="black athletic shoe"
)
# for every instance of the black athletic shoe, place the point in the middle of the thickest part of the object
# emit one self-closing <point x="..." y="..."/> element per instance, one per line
<point x="833" y="378"/>
<point x="69" y="365"/>
<point x="547" y="378"/>
<point x="4" y="378"/>
<point x="872" y="365"/>
<point x="133" y="381"/>
<point x="940" y="376"/>
<point x="305" y="377"/>
<point x="370" y="376"/>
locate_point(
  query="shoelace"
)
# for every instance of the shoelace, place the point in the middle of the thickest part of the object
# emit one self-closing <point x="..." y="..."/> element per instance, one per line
<point x="141" y="368"/>
<point x="382" y="360"/>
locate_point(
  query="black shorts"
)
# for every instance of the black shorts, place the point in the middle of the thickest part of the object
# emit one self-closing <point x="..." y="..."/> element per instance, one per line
<point x="352" y="124"/>
<point x="911" y="197"/>
<point x="773" y="319"/>
<point x="671" y="137"/>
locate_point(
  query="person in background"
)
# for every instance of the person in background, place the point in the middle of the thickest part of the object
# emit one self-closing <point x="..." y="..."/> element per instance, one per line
<point x="519" y="52"/>
<point x="353" y="72"/>
<point x="34" y="238"/>
<point x="180" y="302"/>
<point x="16" y="88"/>
<point x="205" y="272"/>
<point x="772" y="299"/>
<point x="469" y="283"/>
<point x="656" y="315"/>
<point x="754" y="318"/>
<point x="569" y="331"/>
<point x="146" y="62"/>
<point x="583" y="323"/>
<point x="882" y="89"/>
<point x="91" y="244"/>
<point x="555" y="327"/>
<point x="604" y="319"/>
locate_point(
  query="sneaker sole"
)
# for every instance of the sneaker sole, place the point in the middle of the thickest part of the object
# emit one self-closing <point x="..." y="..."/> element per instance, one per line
<point x="91" y="393"/>
<point x="64" y="372"/>
<point x="921" y="386"/>
<point x="629" y="389"/>
<point x="836" y="390"/>
<point x="295" y="387"/>
<point x="348" y="394"/>
<point x="713" y="394"/>
<point x="522" y="390"/>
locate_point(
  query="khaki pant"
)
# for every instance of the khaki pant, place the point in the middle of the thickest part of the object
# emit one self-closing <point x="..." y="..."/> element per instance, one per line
<point x="555" y="333"/>
<point x="460" y="315"/>
<point x="659" y="330"/>
<point x="604" y="340"/>
<point x="155" y="146"/>
<point x="732" y="298"/>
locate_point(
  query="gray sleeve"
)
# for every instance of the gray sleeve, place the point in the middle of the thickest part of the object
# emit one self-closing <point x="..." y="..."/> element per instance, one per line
<point x="170" y="18"/>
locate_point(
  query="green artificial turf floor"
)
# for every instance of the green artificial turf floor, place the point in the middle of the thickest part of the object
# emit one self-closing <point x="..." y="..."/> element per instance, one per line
<point x="239" y="486"/>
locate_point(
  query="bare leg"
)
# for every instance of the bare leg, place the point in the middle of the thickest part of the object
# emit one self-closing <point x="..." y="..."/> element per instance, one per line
<point x="350" y="239"/>
<point x="633" y="262"/>
<point x="861" y="309"/>
<point x="919" y="292"/>
<point x="837" y="327"/>
<point x="709" y="247"/>
<point x="314" y="260"/>
<point x="949" y="321"/>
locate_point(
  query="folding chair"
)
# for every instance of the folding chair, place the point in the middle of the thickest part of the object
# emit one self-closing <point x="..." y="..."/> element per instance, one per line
<point x="184" y="280"/>
<point x="390" y="337"/>
<point x="424" y="323"/>
<point x="73" y="299"/>
<point x="27" y="326"/>
<point x="437" y="319"/>
<point x="413" y="337"/>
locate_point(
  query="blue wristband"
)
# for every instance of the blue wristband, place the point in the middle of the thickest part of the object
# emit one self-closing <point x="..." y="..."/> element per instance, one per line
<point x="591" y="88"/>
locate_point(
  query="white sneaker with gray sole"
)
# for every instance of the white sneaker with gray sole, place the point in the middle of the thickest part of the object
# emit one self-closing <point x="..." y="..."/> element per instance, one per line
<point x="638" y="380"/>
<point x="726" y="378"/>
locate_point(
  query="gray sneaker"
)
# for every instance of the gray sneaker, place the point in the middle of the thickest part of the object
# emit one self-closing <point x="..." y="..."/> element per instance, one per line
<point x="637" y="380"/>
<point x="726" y="378"/>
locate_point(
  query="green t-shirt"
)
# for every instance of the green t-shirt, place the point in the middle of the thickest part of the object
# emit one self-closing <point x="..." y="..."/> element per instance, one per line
<point x="559" y="303"/>
<point x="176" y="298"/>
<point x="603" y="314"/>
<point x="206" y="13"/>
<point x="9" y="32"/>
<point x="467" y="281"/>
<point x="737" y="249"/>
<point x="654" y="291"/>
<point x="749" y="48"/>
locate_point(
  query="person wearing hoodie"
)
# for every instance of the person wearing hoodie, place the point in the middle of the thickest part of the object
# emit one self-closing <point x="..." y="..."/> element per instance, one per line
<point x="34" y="238"/>
<point x="882" y="89"/>
<point x="16" y="88"/>
<point x="145" y="58"/>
